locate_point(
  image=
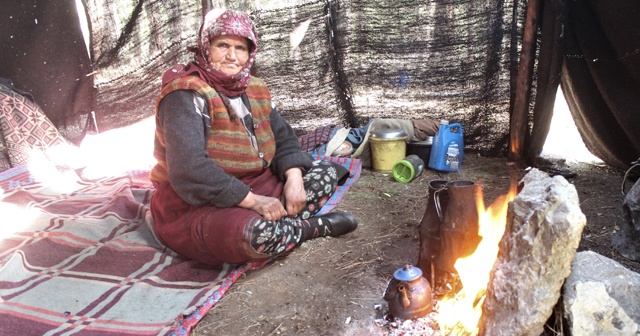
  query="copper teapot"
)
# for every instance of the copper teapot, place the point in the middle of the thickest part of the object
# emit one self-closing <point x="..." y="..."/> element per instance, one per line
<point x="408" y="294"/>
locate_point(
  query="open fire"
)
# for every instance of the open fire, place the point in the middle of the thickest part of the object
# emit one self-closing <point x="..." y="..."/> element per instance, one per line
<point x="479" y="288"/>
<point x="459" y="313"/>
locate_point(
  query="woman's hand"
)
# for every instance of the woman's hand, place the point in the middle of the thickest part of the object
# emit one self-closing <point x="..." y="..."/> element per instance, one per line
<point x="295" y="197"/>
<point x="269" y="207"/>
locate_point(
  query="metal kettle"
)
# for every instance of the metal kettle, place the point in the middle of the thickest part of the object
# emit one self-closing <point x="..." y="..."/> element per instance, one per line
<point x="408" y="294"/>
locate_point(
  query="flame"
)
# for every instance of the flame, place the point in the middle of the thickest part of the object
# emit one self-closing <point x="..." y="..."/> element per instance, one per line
<point x="460" y="314"/>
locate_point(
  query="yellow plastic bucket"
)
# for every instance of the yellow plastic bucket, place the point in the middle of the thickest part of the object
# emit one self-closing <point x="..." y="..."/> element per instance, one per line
<point x="387" y="149"/>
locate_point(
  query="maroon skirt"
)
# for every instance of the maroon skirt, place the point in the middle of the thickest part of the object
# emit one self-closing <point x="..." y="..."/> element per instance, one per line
<point x="208" y="234"/>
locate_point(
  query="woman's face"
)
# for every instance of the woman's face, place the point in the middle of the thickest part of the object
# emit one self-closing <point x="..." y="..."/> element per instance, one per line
<point x="229" y="53"/>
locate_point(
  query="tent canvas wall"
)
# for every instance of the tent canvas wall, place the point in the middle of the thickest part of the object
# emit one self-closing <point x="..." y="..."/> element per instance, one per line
<point x="355" y="60"/>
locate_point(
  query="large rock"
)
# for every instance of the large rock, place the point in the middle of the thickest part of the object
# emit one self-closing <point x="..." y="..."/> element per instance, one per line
<point x="601" y="297"/>
<point x="627" y="240"/>
<point x="544" y="225"/>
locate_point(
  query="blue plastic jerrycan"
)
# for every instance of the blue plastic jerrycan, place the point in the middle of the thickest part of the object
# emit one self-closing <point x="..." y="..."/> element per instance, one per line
<point x="447" y="151"/>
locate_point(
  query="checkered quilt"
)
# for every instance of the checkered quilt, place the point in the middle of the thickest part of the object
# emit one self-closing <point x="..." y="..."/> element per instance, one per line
<point x="78" y="256"/>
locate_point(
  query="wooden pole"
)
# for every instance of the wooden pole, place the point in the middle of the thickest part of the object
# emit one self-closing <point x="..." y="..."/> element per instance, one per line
<point x="206" y="7"/>
<point x="518" y="126"/>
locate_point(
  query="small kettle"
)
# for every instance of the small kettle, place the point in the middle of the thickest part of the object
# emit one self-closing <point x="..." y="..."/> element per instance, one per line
<point x="408" y="294"/>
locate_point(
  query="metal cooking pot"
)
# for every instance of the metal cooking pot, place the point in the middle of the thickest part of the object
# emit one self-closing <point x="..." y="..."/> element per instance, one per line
<point x="408" y="294"/>
<point x="388" y="133"/>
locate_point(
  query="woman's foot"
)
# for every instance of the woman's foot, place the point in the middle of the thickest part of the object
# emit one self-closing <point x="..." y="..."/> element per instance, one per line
<point x="332" y="224"/>
<point x="339" y="223"/>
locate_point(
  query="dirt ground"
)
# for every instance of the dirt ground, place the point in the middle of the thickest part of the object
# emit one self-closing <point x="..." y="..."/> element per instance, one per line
<point x="334" y="286"/>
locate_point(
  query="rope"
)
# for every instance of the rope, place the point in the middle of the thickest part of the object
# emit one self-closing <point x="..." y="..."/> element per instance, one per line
<point x="626" y="174"/>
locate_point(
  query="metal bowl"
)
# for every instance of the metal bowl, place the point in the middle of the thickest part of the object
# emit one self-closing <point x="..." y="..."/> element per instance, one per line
<point x="390" y="133"/>
<point x="427" y="142"/>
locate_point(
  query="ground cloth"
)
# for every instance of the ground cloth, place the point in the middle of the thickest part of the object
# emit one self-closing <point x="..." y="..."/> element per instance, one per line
<point x="78" y="257"/>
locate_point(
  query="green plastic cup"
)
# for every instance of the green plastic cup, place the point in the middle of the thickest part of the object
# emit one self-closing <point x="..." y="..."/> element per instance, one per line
<point x="407" y="169"/>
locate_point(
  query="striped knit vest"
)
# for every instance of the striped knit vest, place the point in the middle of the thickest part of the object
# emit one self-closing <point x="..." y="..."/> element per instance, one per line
<point x="228" y="143"/>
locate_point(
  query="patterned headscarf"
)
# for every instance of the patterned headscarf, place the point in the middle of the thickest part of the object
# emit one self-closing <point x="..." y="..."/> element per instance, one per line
<point x="219" y="22"/>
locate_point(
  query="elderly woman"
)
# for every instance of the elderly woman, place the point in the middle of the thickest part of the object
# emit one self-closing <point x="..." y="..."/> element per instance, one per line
<point x="231" y="183"/>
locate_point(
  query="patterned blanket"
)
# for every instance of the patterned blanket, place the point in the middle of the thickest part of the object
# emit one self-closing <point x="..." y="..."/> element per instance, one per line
<point x="78" y="257"/>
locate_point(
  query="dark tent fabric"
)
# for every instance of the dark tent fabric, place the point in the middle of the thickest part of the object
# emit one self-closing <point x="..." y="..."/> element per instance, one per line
<point x="550" y="59"/>
<point x="593" y="50"/>
<point x="355" y="60"/>
<point x="133" y="43"/>
<point x="42" y="51"/>
<point x="602" y="76"/>
<point x="347" y="61"/>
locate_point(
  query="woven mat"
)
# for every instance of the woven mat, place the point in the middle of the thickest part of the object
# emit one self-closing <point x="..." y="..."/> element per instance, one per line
<point x="78" y="257"/>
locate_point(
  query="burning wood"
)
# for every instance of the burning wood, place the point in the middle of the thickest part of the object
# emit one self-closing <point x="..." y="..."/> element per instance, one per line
<point x="460" y="312"/>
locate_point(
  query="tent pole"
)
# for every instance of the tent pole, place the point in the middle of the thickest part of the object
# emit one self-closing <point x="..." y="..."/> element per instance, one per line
<point x="206" y="7"/>
<point x="518" y="126"/>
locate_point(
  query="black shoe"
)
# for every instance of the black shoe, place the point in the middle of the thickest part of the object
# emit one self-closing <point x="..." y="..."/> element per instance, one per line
<point x="338" y="223"/>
